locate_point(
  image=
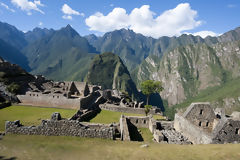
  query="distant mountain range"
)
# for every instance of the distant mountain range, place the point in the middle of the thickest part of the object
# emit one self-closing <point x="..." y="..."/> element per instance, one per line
<point x="187" y="65"/>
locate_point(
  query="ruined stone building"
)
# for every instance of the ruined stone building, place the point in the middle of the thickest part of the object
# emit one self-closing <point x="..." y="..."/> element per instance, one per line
<point x="55" y="94"/>
<point x="202" y="125"/>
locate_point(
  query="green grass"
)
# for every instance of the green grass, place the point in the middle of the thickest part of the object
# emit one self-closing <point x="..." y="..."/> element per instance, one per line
<point x="30" y="115"/>
<point x="61" y="148"/>
<point x="146" y="135"/>
<point x="109" y="116"/>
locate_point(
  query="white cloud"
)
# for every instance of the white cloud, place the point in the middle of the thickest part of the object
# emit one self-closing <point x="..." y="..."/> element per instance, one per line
<point x="6" y="6"/>
<point x="40" y="23"/>
<point x="142" y="20"/>
<point x="67" y="17"/>
<point x="204" y="34"/>
<point x="27" y="6"/>
<point x="68" y="12"/>
<point x="116" y="19"/>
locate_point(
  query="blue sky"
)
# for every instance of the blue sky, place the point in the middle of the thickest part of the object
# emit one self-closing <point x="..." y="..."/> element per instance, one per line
<point x="150" y="17"/>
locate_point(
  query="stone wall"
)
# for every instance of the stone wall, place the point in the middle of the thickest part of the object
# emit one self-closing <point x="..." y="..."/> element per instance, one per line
<point x="49" y="100"/>
<point x="125" y="135"/>
<point x="200" y="114"/>
<point x="140" y="122"/>
<point x="227" y="131"/>
<point x="89" y="101"/>
<point x="112" y="107"/>
<point x="195" y="134"/>
<point x="62" y="128"/>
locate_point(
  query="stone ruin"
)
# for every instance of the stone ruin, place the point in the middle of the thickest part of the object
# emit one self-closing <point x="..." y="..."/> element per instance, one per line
<point x="163" y="131"/>
<point x="121" y="103"/>
<point x="79" y="95"/>
<point x="203" y="125"/>
<point x="199" y="124"/>
<point x="57" y="126"/>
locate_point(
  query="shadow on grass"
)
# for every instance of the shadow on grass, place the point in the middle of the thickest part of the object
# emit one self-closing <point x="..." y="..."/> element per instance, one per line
<point x="4" y="158"/>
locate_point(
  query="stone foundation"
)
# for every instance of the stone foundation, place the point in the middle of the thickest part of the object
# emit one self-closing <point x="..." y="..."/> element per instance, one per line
<point x="116" y="108"/>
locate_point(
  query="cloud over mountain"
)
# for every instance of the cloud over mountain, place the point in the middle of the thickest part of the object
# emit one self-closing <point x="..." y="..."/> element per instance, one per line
<point x="27" y="6"/>
<point x="68" y="12"/>
<point x="142" y="20"/>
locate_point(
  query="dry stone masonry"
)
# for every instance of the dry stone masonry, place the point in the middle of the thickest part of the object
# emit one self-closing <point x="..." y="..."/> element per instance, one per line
<point x="201" y="125"/>
<point x="62" y="127"/>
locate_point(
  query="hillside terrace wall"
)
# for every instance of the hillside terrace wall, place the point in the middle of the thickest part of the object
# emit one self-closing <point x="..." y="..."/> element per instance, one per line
<point x="115" y="108"/>
<point x="49" y="100"/>
<point x="62" y="128"/>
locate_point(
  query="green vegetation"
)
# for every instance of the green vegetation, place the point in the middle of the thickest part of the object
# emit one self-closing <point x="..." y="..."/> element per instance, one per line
<point x="109" y="116"/>
<point x="30" y="115"/>
<point x="146" y="135"/>
<point x="108" y="71"/>
<point x="13" y="88"/>
<point x="230" y="89"/>
<point x="62" y="55"/>
<point x="149" y="87"/>
<point x="61" y="148"/>
<point x="147" y="109"/>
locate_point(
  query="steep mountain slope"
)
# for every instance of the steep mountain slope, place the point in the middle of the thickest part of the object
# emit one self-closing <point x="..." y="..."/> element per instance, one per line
<point x="108" y="70"/>
<point x="13" y="55"/>
<point x="13" y="79"/>
<point x="133" y="48"/>
<point x="61" y="55"/>
<point x="37" y="33"/>
<point x="226" y="96"/>
<point x="12" y="35"/>
<point x="233" y="35"/>
<point x="185" y="71"/>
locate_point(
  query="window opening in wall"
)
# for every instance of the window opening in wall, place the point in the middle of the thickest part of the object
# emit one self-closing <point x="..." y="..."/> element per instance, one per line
<point x="144" y="121"/>
<point x="207" y="123"/>
<point x="57" y="96"/>
<point x="37" y="95"/>
<point x="30" y="94"/>
<point x="137" y="121"/>
<point x="53" y="96"/>
<point x="201" y="111"/>
<point x="200" y="123"/>
<point x="237" y="131"/>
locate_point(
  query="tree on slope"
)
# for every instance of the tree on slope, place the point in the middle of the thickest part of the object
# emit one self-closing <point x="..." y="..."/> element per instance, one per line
<point x="149" y="87"/>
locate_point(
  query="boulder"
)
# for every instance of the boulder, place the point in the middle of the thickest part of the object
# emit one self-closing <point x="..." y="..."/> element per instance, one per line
<point x="56" y="116"/>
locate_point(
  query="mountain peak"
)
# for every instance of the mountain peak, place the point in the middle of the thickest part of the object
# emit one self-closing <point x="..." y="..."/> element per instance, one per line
<point x="68" y="26"/>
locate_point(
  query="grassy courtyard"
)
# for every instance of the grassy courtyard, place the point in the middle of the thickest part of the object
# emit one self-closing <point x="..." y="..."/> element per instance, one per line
<point x="109" y="116"/>
<point x="30" y="115"/>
